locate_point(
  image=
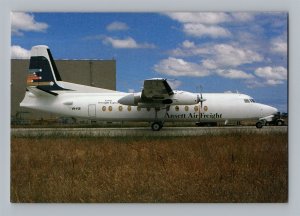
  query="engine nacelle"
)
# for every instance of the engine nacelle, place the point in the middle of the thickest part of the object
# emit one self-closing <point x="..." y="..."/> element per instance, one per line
<point x="184" y="98"/>
<point x="130" y="99"/>
<point x="178" y="98"/>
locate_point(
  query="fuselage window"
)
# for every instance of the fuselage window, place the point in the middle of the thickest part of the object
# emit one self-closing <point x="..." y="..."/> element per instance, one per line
<point x="138" y="108"/>
<point x="176" y="108"/>
<point x="129" y="108"/>
<point x="103" y="108"/>
<point x="186" y="108"/>
<point x="246" y="101"/>
<point x="110" y="108"/>
<point x="252" y="100"/>
<point x="196" y="108"/>
<point x="120" y="108"/>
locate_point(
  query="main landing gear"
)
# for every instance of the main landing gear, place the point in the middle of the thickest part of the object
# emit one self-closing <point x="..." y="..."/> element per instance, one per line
<point x="156" y="126"/>
<point x="158" y="121"/>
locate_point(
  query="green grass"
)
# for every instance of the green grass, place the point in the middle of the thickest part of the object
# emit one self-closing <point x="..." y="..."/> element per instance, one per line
<point x="225" y="168"/>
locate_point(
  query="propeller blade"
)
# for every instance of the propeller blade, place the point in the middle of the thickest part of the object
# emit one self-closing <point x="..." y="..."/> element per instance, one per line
<point x="201" y="100"/>
<point x="198" y="99"/>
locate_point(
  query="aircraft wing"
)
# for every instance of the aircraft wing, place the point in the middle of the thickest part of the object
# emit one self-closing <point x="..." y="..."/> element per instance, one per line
<point x="157" y="93"/>
<point x="156" y="89"/>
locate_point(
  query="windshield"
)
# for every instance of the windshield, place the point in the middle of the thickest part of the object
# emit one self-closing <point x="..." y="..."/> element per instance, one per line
<point x="251" y="100"/>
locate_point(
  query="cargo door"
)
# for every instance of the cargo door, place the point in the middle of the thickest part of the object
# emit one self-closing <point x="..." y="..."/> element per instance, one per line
<point x="92" y="110"/>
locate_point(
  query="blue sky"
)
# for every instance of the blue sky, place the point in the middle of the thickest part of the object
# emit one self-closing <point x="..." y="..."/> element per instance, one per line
<point x="245" y="52"/>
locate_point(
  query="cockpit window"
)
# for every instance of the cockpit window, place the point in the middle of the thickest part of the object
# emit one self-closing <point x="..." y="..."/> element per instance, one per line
<point x="251" y="100"/>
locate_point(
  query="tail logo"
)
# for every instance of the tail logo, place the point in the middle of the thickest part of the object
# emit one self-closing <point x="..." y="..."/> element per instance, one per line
<point x="43" y="73"/>
<point x="31" y="78"/>
<point x="34" y="79"/>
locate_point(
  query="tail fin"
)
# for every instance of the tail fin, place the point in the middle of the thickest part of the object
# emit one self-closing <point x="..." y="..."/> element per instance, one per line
<point x="43" y="75"/>
<point x="43" y="72"/>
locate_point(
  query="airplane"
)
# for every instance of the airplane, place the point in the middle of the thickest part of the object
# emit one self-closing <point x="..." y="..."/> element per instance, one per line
<point x="157" y="103"/>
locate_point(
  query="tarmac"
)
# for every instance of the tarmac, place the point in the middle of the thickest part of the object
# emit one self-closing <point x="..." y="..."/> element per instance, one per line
<point x="143" y="131"/>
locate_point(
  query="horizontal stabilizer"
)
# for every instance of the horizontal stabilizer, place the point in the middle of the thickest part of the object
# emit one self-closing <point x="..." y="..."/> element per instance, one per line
<point x="37" y="91"/>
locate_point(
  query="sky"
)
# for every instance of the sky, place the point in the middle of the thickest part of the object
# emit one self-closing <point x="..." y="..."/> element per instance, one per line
<point x="242" y="52"/>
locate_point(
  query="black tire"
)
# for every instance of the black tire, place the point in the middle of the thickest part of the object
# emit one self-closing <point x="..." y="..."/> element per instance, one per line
<point x="156" y="126"/>
<point x="279" y="123"/>
<point x="259" y="124"/>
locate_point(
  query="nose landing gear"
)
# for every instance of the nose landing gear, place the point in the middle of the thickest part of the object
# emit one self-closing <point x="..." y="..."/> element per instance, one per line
<point x="259" y="124"/>
<point x="271" y="120"/>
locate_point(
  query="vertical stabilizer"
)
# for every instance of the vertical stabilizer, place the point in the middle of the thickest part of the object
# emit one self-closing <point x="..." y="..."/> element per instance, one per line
<point x="43" y="72"/>
<point x="43" y="75"/>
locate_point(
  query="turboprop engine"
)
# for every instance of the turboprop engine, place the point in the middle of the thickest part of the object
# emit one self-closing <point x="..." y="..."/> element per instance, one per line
<point x="178" y="98"/>
<point x="131" y="99"/>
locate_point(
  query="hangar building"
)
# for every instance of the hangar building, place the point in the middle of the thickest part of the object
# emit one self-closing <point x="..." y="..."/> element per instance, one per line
<point x="98" y="73"/>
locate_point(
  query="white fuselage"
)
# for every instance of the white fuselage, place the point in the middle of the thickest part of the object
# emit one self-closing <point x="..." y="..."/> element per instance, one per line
<point x="156" y="103"/>
<point x="104" y="106"/>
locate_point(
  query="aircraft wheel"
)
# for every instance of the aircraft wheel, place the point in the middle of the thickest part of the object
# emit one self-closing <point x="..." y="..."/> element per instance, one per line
<point x="279" y="123"/>
<point x="156" y="126"/>
<point x="259" y="124"/>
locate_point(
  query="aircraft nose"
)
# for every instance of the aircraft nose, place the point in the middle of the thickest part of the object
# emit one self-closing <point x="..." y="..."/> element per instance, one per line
<point x="269" y="110"/>
<point x="274" y="110"/>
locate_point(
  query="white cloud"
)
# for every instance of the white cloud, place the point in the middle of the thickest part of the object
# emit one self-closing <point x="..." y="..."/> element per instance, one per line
<point x="18" y="52"/>
<point x="279" y="46"/>
<point x="189" y="48"/>
<point x="188" y="44"/>
<point x="234" y="74"/>
<point x="203" y="24"/>
<point x="174" y="84"/>
<point x="117" y="26"/>
<point x="208" y="23"/>
<point x="179" y="67"/>
<point x="209" y="64"/>
<point x="201" y="17"/>
<point x="127" y="43"/>
<point x="272" y="73"/>
<point x="201" y="30"/>
<point x="218" y="55"/>
<point x="242" y="16"/>
<point x="254" y="83"/>
<point x="218" y="59"/>
<point x="273" y="82"/>
<point x="211" y="18"/>
<point x="21" y="22"/>
<point x="267" y="76"/>
<point x="224" y="55"/>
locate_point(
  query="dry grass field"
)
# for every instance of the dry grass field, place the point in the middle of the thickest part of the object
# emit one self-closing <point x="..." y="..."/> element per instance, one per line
<point x="223" y="168"/>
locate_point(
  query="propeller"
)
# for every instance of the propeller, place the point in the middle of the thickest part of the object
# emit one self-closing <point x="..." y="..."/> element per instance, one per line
<point x="200" y="99"/>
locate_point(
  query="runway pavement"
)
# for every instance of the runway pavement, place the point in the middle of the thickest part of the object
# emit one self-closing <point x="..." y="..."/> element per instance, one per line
<point x="142" y="131"/>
